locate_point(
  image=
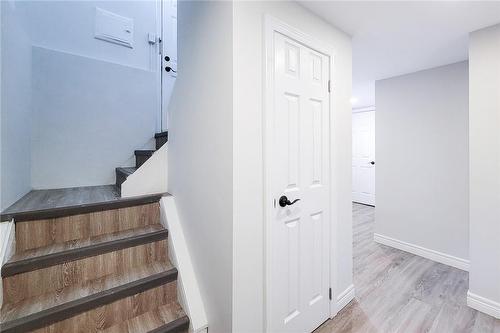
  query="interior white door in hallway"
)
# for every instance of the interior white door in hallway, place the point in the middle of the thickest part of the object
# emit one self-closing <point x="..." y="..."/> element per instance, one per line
<point x="363" y="157"/>
<point x="168" y="56"/>
<point x="299" y="240"/>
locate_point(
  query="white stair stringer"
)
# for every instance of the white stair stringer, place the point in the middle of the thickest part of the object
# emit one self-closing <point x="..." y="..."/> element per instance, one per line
<point x="150" y="178"/>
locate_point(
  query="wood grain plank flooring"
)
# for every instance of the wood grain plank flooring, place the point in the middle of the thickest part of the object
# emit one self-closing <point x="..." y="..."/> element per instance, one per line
<point x="400" y="292"/>
<point x="44" y="232"/>
<point x="19" y="287"/>
<point x="166" y="318"/>
<point x="13" y="311"/>
<point x="109" y="315"/>
<point x="74" y="250"/>
<point x="89" y="302"/>
<point x="57" y="198"/>
<point x="44" y="204"/>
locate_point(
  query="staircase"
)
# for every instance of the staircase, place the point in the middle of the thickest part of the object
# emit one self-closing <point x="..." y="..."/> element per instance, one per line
<point x="99" y="267"/>
<point x="141" y="156"/>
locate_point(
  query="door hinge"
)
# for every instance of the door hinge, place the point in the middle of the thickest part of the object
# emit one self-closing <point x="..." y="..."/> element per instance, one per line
<point x="330" y="293"/>
<point x="329" y="86"/>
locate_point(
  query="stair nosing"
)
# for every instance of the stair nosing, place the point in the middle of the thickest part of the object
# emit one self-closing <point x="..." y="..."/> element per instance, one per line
<point x="161" y="134"/>
<point x="173" y="326"/>
<point x="125" y="170"/>
<point x="49" y="213"/>
<point x="52" y="259"/>
<point x="144" y="152"/>
<point x="72" y="308"/>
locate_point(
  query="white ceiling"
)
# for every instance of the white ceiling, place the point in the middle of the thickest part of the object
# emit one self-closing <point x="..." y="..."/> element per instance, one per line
<point x="391" y="38"/>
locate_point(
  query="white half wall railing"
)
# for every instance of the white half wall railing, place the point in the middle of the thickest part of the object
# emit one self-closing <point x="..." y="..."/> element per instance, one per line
<point x="150" y="178"/>
<point x="188" y="291"/>
<point x="7" y="244"/>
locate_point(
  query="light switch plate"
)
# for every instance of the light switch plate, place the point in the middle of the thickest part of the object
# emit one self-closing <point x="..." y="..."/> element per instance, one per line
<point x="114" y="28"/>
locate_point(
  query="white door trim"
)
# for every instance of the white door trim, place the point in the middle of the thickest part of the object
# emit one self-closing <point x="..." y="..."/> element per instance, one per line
<point x="156" y="58"/>
<point x="166" y="47"/>
<point x="272" y="25"/>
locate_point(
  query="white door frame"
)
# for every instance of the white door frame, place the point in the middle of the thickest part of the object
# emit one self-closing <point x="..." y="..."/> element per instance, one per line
<point x="158" y="68"/>
<point x="272" y="25"/>
<point x="163" y="14"/>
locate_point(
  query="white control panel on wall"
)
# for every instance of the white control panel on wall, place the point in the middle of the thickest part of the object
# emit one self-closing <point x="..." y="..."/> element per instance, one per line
<point x="114" y="28"/>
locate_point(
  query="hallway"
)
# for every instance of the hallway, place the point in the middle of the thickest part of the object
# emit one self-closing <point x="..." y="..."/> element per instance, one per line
<point x="400" y="292"/>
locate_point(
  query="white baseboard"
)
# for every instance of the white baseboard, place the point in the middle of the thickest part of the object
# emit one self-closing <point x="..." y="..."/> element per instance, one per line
<point x="433" y="255"/>
<point x="484" y="305"/>
<point x="344" y="298"/>
<point x="7" y="246"/>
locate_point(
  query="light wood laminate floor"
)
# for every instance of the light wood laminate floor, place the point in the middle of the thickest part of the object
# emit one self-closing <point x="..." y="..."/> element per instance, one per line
<point x="400" y="292"/>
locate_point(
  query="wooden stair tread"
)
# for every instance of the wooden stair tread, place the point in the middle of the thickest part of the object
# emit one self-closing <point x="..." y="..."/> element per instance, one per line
<point x="166" y="318"/>
<point x="42" y="310"/>
<point x="161" y="134"/>
<point x="46" y="205"/>
<point x="126" y="170"/>
<point x="147" y="152"/>
<point x="58" y="253"/>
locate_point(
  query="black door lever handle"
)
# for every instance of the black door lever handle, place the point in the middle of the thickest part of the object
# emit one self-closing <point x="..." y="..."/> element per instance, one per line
<point x="285" y="202"/>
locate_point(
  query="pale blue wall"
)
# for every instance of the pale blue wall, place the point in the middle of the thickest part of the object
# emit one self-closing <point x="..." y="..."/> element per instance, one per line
<point x="16" y="120"/>
<point x="89" y="117"/>
<point x="73" y="107"/>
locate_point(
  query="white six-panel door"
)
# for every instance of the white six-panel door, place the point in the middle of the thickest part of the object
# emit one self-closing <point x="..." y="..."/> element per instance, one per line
<point x="363" y="157"/>
<point x="299" y="234"/>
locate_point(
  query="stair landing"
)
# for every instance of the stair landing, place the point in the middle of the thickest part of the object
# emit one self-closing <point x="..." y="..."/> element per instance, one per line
<point x="75" y="199"/>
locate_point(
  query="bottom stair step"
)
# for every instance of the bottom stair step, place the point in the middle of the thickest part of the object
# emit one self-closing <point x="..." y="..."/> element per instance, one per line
<point x="167" y="318"/>
<point x="60" y="309"/>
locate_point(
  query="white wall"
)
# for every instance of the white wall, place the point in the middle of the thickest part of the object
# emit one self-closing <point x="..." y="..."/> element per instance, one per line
<point x="89" y="117"/>
<point x="201" y="149"/>
<point x="16" y="116"/>
<point x="422" y="159"/>
<point x="1" y="29"/>
<point x="484" y="130"/>
<point x="248" y="230"/>
<point x="68" y="26"/>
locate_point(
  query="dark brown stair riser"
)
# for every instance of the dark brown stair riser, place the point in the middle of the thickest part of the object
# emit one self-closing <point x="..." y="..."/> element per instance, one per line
<point x="19" y="287"/>
<point x="147" y="294"/>
<point x="141" y="156"/>
<point x="120" y="177"/>
<point x="161" y="139"/>
<point x="53" y="259"/>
